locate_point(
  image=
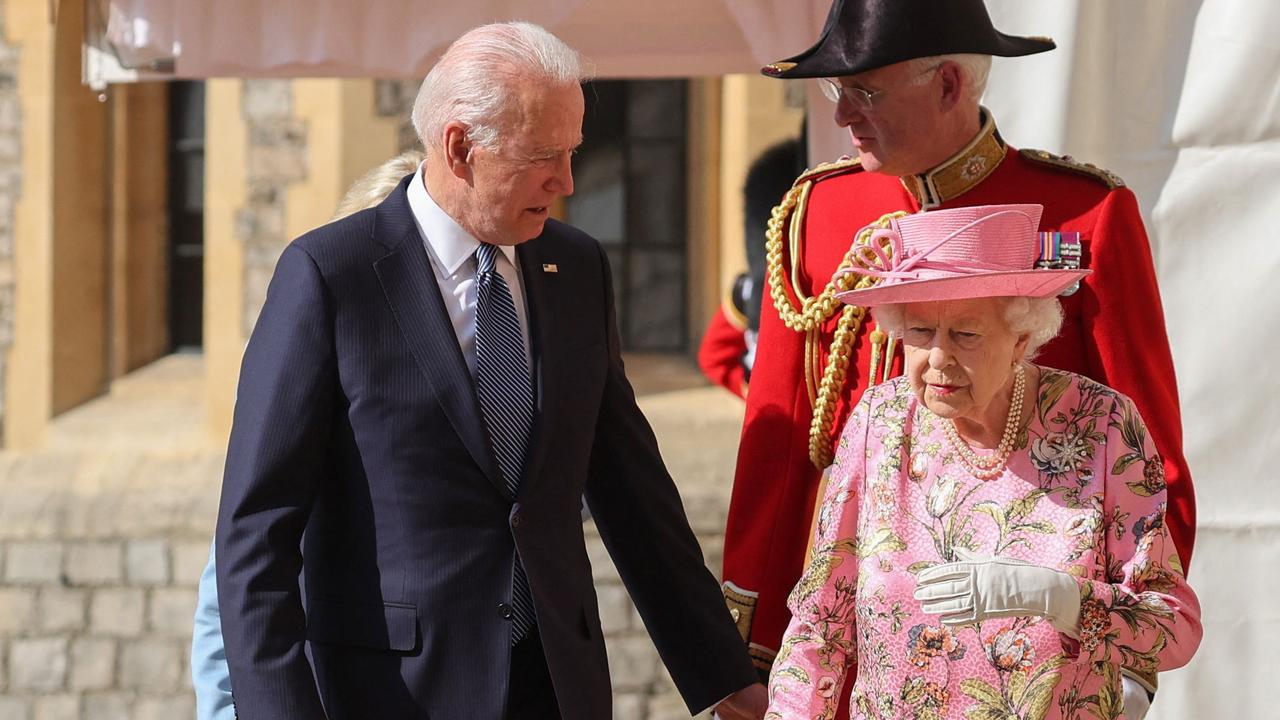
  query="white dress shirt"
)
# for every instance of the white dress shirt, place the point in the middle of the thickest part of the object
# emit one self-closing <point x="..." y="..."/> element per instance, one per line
<point x="452" y="253"/>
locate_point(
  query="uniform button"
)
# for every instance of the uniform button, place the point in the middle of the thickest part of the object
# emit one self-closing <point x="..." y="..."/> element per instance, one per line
<point x="515" y="520"/>
<point x="505" y="611"/>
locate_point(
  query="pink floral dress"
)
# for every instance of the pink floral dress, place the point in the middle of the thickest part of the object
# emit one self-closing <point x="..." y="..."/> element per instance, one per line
<point x="1084" y="493"/>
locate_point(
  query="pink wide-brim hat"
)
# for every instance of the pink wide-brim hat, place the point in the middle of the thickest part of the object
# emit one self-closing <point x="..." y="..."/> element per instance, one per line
<point x="969" y="252"/>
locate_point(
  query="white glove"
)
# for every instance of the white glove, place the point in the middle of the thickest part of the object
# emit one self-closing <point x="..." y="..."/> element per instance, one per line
<point x="978" y="588"/>
<point x="1136" y="700"/>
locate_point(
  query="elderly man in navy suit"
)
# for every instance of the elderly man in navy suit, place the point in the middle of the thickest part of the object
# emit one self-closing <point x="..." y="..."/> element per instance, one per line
<point x="432" y="386"/>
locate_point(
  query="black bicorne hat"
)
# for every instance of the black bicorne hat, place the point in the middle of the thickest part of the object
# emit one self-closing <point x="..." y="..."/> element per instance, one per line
<point x="863" y="35"/>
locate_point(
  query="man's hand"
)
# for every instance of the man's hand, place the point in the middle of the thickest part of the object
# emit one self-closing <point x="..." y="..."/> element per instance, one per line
<point x="749" y="703"/>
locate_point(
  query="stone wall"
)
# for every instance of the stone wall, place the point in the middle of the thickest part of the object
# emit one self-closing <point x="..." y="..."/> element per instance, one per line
<point x="698" y="429"/>
<point x="97" y="629"/>
<point x="642" y="689"/>
<point x="101" y="629"/>
<point x="10" y="186"/>
<point x="395" y="99"/>
<point x="103" y="535"/>
<point x="277" y="158"/>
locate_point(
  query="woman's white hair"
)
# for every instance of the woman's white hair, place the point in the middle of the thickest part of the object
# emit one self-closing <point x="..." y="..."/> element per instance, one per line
<point x="975" y="69"/>
<point x="475" y="80"/>
<point x="1039" y="318"/>
<point x="374" y="186"/>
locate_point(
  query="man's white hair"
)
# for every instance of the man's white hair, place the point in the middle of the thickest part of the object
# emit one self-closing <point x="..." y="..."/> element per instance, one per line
<point x="474" y="82"/>
<point x="975" y="69"/>
<point x="1040" y="318"/>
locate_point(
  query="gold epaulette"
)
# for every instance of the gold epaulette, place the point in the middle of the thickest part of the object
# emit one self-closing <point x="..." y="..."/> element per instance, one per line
<point x="1066" y="162"/>
<point x="827" y="169"/>
<point x="736" y="317"/>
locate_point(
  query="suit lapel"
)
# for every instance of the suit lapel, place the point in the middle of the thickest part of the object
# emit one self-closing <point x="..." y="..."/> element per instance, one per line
<point x="545" y="352"/>
<point x="414" y="297"/>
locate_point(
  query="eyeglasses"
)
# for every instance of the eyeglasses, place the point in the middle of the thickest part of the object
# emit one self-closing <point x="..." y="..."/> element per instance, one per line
<point x="834" y="90"/>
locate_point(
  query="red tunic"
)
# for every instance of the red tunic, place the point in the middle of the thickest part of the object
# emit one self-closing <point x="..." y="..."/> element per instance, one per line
<point x="1114" y="332"/>
<point x="722" y="348"/>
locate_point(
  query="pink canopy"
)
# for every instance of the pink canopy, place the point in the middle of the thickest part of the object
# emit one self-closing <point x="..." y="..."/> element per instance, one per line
<point x="400" y="38"/>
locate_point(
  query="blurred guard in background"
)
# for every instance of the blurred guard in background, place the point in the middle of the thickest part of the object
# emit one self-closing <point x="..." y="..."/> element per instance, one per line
<point x="729" y="344"/>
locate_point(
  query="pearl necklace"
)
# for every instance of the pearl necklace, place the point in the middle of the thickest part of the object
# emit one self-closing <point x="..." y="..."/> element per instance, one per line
<point x="990" y="466"/>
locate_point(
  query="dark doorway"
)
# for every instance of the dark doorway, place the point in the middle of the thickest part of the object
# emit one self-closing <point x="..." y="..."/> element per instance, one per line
<point x="186" y="216"/>
<point x="631" y="195"/>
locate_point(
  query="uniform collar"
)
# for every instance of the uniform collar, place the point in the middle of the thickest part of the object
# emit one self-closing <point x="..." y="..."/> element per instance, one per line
<point x="962" y="171"/>
<point x="446" y="240"/>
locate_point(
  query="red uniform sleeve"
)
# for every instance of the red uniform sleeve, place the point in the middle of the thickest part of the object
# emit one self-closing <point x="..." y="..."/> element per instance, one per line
<point x="720" y="355"/>
<point x="1130" y="352"/>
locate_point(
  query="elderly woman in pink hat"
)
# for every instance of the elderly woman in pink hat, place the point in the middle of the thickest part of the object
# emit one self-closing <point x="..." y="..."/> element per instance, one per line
<point x="991" y="543"/>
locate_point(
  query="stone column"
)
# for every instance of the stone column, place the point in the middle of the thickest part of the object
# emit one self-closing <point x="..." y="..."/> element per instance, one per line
<point x="225" y="221"/>
<point x="58" y="356"/>
<point x="281" y="154"/>
<point x="394" y="100"/>
<point x="10" y="187"/>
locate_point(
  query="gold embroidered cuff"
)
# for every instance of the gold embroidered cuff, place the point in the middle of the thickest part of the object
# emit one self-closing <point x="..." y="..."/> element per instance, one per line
<point x="742" y="607"/>
<point x="762" y="657"/>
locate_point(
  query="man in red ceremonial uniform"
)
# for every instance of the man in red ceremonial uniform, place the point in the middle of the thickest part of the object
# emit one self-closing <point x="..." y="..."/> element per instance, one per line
<point x="907" y="76"/>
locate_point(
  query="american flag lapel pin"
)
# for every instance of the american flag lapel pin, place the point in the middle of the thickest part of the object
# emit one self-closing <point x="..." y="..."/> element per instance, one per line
<point x="550" y="268"/>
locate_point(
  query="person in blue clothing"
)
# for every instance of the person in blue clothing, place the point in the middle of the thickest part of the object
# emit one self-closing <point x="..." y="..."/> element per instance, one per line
<point x="209" y="674"/>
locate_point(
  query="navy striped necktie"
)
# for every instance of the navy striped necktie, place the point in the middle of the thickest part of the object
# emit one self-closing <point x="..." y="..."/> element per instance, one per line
<point x="506" y="401"/>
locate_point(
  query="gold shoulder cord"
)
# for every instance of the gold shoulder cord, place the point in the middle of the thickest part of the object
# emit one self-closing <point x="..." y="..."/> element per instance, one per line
<point x="814" y="312"/>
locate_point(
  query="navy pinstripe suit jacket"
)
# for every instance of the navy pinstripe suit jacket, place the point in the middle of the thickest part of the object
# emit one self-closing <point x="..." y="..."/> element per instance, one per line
<point x="357" y="422"/>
